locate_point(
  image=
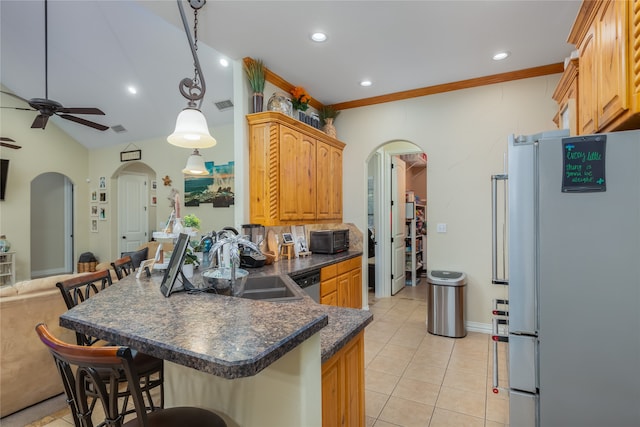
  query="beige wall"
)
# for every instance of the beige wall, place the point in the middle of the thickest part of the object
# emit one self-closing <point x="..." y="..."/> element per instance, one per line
<point x="464" y="134"/>
<point x="165" y="160"/>
<point x="51" y="150"/>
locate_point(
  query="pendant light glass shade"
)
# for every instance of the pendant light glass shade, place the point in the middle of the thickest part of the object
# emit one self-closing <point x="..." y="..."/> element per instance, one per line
<point x="195" y="164"/>
<point x="191" y="130"/>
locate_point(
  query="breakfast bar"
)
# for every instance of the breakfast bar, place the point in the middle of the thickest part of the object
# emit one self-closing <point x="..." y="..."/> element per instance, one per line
<point x="256" y="362"/>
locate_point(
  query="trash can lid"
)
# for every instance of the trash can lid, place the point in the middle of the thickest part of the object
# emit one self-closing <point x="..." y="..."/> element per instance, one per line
<point x="449" y="278"/>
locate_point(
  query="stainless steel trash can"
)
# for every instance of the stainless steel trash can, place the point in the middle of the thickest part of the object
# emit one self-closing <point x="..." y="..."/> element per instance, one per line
<point x="446" y="303"/>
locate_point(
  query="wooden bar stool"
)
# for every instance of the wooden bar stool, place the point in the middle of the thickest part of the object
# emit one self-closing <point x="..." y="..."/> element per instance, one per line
<point x="150" y="369"/>
<point x="286" y="250"/>
<point x="94" y="372"/>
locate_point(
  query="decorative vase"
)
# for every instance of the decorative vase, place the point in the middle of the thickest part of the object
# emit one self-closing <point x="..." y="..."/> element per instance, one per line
<point x="5" y="245"/>
<point x="329" y="128"/>
<point x="280" y="102"/>
<point x="258" y="101"/>
<point x="177" y="226"/>
<point x="301" y="116"/>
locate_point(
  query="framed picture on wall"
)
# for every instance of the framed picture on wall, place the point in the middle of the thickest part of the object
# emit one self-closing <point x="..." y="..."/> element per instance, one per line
<point x="102" y="182"/>
<point x="94" y="225"/>
<point x="93" y="210"/>
<point x="102" y="196"/>
<point x="154" y="185"/>
<point x="154" y="200"/>
<point x="102" y="213"/>
<point x="93" y="196"/>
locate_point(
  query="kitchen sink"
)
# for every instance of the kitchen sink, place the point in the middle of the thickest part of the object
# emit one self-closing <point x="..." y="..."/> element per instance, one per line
<point x="270" y="288"/>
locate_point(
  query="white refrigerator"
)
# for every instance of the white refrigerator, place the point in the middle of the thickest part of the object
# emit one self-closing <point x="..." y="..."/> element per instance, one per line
<point x="574" y="280"/>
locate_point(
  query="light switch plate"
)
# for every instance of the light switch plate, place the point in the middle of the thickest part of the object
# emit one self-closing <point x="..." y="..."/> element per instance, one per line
<point x="442" y="228"/>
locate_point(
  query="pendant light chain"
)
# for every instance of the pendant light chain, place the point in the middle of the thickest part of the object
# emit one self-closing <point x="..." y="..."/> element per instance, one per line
<point x="196" y="79"/>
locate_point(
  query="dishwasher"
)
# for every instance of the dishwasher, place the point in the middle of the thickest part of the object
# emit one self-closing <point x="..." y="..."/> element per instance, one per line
<point x="310" y="283"/>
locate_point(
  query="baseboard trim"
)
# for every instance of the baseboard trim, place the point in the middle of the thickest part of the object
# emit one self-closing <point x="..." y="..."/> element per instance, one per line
<point x="484" y="328"/>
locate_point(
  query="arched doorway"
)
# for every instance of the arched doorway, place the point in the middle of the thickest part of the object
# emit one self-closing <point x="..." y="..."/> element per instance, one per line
<point x="134" y="209"/>
<point x="51" y="225"/>
<point x="387" y="215"/>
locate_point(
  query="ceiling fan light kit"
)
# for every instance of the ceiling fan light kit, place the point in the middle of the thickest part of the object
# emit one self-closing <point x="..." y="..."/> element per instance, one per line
<point x="191" y="129"/>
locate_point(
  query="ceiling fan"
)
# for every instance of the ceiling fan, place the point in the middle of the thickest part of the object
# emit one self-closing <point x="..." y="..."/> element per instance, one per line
<point x="5" y="142"/>
<point x="47" y="107"/>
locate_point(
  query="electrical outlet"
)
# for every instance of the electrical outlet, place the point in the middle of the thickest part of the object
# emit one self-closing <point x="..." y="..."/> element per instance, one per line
<point x="442" y="228"/>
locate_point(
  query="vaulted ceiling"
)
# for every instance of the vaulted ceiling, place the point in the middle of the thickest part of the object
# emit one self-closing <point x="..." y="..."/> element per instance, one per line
<point x="97" y="48"/>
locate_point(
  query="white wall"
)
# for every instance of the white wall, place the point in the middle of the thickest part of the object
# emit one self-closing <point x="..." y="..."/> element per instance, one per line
<point x="464" y="134"/>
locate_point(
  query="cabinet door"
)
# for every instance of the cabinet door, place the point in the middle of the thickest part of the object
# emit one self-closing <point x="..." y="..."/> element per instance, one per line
<point x="332" y="392"/>
<point x="297" y="175"/>
<point x="329" y="299"/>
<point x="353" y="355"/>
<point x="329" y="181"/>
<point x="344" y="290"/>
<point x="355" y="278"/>
<point x="587" y="82"/>
<point x="611" y="70"/>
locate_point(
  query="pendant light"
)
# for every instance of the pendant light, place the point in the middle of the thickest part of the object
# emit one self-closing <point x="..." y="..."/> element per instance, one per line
<point x="191" y="126"/>
<point x="195" y="164"/>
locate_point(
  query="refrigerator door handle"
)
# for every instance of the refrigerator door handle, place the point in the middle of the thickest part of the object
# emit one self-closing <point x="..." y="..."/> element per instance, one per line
<point x="494" y="231"/>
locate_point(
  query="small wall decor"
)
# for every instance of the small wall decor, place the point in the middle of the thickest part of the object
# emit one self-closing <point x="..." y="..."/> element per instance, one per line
<point x="102" y="197"/>
<point x="154" y="185"/>
<point x="94" y="210"/>
<point x="103" y="182"/>
<point x="130" y="155"/>
<point x="102" y="213"/>
<point x="93" y="195"/>
<point x="154" y="200"/>
<point x="94" y="225"/>
<point x="166" y="181"/>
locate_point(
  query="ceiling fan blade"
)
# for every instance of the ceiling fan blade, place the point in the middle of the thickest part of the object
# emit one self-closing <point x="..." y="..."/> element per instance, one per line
<point x="81" y="111"/>
<point x="15" y="96"/>
<point x="6" y="144"/>
<point x="40" y="122"/>
<point x="20" y="108"/>
<point x="84" y="122"/>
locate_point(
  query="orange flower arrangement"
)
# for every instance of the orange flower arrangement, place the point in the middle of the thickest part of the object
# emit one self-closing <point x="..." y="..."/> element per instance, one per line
<point x="300" y="99"/>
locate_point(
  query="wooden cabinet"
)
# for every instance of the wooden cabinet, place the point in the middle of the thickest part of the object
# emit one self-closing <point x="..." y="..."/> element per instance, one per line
<point x="329" y="181"/>
<point x="343" y="386"/>
<point x="295" y="172"/>
<point x="566" y="95"/>
<point x="341" y="284"/>
<point x="607" y="35"/>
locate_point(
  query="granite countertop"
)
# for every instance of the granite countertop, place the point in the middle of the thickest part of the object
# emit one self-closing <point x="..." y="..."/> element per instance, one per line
<point x="224" y="336"/>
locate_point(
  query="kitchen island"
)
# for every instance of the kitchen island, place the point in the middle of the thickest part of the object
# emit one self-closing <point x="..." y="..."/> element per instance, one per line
<point x="257" y="362"/>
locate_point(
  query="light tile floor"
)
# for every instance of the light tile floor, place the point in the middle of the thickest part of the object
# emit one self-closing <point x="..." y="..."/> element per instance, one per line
<point x="412" y="378"/>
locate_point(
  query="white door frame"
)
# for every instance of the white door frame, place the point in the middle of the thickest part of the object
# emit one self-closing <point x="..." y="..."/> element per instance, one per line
<point x="382" y="200"/>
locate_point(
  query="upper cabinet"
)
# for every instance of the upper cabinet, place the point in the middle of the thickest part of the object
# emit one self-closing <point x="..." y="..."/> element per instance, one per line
<point x="607" y="36"/>
<point x="295" y="172"/>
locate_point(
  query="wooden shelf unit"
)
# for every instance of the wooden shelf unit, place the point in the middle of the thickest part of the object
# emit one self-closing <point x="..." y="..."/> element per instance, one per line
<point x="7" y="268"/>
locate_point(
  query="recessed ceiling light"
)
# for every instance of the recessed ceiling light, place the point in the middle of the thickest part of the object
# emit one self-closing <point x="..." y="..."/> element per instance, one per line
<point x="319" y="37"/>
<point x="501" y="55"/>
<point x="224" y="62"/>
<point x="132" y="90"/>
<point x="366" y="83"/>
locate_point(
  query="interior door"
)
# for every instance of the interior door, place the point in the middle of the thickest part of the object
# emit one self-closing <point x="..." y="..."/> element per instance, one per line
<point x="132" y="211"/>
<point x="398" y="187"/>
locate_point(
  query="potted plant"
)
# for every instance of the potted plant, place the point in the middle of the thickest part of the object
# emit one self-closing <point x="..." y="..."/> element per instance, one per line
<point x="191" y="222"/>
<point x="190" y="262"/>
<point x="255" y="70"/>
<point x="327" y="115"/>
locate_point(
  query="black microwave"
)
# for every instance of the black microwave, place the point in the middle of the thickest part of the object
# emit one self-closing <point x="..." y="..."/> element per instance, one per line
<point x="329" y="241"/>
